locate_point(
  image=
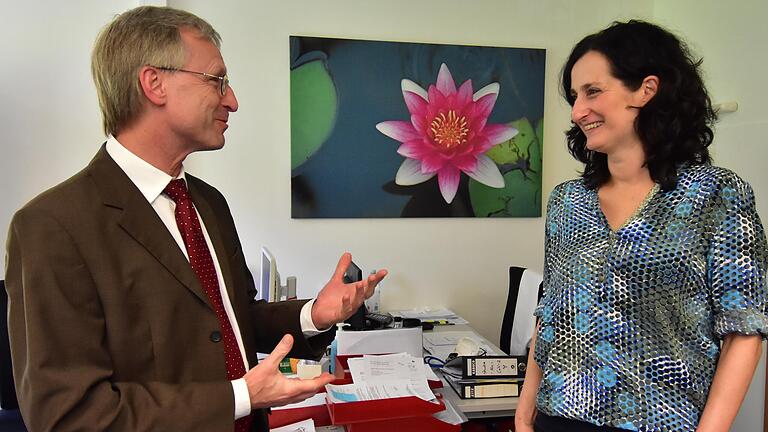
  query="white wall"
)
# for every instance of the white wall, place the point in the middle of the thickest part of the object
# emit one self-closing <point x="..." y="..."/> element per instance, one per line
<point x="51" y="126"/>
<point x="458" y="263"/>
<point x="730" y="37"/>
<point x="49" y="114"/>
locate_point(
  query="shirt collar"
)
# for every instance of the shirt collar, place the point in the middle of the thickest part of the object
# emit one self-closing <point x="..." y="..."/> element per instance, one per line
<point x="149" y="180"/>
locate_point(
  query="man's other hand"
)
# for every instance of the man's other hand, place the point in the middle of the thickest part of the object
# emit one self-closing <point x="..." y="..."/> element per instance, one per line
<point x="269" y="388"/>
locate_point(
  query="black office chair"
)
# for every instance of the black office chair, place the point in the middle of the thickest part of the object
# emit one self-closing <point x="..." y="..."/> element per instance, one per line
<point x="525" y="290"/>
<point x="10" y="416"/>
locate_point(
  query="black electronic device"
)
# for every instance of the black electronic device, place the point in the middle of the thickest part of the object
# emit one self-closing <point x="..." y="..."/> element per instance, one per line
<point x="351" y="275"/>
<point x="411" y="322"/>
<point x="375" y="321"/>
<point x="362" y="319"/>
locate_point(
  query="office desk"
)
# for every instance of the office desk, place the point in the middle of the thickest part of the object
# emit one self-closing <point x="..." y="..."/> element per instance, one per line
<point x="470" y="408"/>
<point x="476" y="408"/>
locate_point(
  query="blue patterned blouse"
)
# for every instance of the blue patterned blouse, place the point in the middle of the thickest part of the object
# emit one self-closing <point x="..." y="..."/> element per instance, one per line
<point x="631" y="320"/>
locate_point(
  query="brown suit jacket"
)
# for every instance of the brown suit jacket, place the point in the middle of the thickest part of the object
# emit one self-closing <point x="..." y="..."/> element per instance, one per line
<point x="109" y="327"/>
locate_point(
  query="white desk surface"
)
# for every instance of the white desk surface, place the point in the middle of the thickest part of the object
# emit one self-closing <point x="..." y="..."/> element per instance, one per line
<point x="476" y="408"/>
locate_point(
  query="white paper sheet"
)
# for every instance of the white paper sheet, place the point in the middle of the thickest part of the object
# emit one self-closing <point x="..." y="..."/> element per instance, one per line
<point x="385" y="369"/>
<point x="318" y="399"/>
<point x="376" y="391"/>
<point x="450" y="414"/>
<point x="302" y="426"/>
<point x="380" y="368"/>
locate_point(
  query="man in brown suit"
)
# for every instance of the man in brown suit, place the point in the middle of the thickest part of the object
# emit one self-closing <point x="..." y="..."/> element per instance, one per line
<point x="111" y="328"/>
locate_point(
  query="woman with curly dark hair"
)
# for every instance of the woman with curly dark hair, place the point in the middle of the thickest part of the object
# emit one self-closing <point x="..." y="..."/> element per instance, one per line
<point x="655" y="297"/>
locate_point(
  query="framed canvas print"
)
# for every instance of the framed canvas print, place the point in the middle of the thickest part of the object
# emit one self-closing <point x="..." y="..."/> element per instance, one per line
<point x="392" y="129"/>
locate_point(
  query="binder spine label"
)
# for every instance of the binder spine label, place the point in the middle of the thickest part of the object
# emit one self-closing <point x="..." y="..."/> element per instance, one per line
<point x="488" y="367"/>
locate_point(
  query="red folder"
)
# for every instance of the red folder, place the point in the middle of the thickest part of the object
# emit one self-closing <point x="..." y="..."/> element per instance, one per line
<point x="406" y="414"/>
<point x="413" y="424"/>
<point x="284" y="417"/>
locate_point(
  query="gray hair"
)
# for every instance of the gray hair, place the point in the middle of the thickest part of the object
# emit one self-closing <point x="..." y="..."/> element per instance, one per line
<point x="146" y="35"/>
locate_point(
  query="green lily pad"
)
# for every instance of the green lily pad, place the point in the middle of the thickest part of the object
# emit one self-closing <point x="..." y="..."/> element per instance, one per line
<point x="313" y="110"/>
<point x="519" y="160"/>
<point x="511" y="150"/>
<point x="536" y="159"/>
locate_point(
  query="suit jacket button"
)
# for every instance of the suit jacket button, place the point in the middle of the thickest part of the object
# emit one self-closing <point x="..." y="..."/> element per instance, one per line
<point x="216" y="336"/>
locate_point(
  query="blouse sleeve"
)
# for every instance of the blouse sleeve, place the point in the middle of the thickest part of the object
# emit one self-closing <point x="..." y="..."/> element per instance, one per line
<point x="554" y="209"/>
<point x="737" y="262"/>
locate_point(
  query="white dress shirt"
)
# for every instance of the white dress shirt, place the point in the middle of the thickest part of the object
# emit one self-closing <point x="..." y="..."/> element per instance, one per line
<point x="151" y="181"/>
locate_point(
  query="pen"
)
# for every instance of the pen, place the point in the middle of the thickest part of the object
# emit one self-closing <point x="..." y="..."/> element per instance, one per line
<point x="438" y="322"/>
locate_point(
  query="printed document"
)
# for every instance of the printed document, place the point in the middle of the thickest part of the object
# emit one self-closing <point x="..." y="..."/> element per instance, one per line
<point x="376" y="391"/>
<point x="383" y="377"/>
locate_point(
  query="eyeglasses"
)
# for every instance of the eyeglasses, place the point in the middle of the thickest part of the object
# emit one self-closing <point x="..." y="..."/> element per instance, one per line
<point x="223" y="80"/>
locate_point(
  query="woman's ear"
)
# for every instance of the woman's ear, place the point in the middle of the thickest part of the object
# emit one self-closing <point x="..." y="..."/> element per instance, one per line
<point x="151" y="81"/>
<point x="647" y="90"/>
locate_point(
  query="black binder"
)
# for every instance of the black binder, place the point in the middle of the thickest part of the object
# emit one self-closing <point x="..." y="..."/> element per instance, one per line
<point x="485" y="367"/>
<point x="485" y="388"/>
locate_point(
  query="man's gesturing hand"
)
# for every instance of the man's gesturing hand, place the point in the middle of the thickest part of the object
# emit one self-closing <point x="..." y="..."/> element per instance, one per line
<point x="337" y="301"/>
<point x="269" y="388"/>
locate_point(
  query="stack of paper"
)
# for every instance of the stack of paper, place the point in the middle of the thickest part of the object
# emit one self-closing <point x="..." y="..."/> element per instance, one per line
<point x="383" y="377"/>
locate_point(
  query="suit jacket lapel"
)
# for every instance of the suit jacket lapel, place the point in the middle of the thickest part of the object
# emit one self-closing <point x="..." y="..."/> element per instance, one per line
<point x="137" y="217"/>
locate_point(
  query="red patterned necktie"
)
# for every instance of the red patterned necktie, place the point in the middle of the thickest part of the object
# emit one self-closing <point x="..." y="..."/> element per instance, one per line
<point x="202" y="265"/>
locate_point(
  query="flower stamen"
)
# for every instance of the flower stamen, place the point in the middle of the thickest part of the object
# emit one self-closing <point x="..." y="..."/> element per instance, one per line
<point x="449" y="131"/>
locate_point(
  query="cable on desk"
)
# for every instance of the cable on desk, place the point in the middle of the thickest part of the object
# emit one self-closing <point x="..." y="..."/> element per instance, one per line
<point x="434" y="362"/>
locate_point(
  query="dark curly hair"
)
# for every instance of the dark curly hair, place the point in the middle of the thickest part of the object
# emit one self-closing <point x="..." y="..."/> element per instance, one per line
<point x="675" y="126"/>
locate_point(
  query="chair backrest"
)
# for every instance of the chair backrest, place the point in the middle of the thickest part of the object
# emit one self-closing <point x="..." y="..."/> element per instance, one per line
<point x="7" y="389"/>
<point x="525" y="290"/>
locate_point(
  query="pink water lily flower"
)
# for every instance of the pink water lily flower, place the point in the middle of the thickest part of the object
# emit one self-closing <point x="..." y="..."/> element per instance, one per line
<point x="448" y="134"/>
